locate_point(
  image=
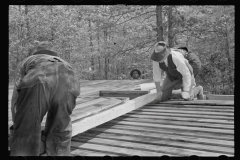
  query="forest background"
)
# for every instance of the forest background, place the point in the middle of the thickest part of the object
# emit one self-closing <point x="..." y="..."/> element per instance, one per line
<point x="108" y="41"/>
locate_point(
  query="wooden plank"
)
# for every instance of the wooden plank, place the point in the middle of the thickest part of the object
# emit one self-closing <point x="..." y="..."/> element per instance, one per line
<point x="84" y="124"/>
<point x="177" y="123"/>
<point x="93" y="108"/>
<point x="220" y="97"/>
<point x="112" y="149"/>
<point x="184" y="115"/>
<point x="185" y="112"/>
<point x="145" y="99"/>
<point x="130" y="94"/>
<point x="187" y="139"/>
<point x="200" y="102"/>
<point x="197" y="134"/>
<point x="113" y="84"/>
<point x="93" y="82"/>
<point x="88" y="103"/>
<point x="83" y="99"/>
<point x="218" y="121"/>
<point x="86" y="152"/>
<point x="160" y="150"/>
<point x="89" y="108"/>
<point x="192" y="107"/>
<point x="231" y="111"/>
<point x="159" y="144"/>
<point x="211" y="130"/>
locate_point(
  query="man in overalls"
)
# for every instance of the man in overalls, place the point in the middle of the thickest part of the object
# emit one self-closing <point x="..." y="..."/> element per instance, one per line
<point x="178" y="71"/>
<point x="45" y="83"/>
<point x="193" y="60"/>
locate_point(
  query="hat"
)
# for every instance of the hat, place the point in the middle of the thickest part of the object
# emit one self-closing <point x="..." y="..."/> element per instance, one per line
<point x="139" y="72"/>
<point x="159" y="51"/>
<point x="51" y="53"/>
<point x="184" y="48"/>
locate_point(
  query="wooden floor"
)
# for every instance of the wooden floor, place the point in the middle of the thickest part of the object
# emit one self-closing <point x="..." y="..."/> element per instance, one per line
<point x="203" y="128"/>
<point x="174" y="128"/>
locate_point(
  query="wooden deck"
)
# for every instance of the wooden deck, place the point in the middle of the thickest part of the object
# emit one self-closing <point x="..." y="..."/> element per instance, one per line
<point x="185" y="129"/>
<point x="173" y="128"/>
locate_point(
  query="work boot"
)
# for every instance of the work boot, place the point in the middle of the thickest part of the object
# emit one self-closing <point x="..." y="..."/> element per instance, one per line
<point x="200" y="96"/>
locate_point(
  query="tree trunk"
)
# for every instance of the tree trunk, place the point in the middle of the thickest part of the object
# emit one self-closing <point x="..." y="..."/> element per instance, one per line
<point x="159" y="23"/>
<point x="170" y="27"/>
<point x="91" y="48"/>
<point x="106" y="67"/>
<point x="99" y="55"/>
<point x="27" y="21"/>
<point x="106" y="55"/>
<point x="52" y="26"/>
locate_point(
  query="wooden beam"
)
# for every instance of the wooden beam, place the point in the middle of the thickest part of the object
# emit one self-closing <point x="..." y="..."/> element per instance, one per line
<point x="200" y="102"/>
<point x="220" y="97"/>
<point x="82" y="125"/>
<point x="131" y="94"/>
<point x="192" y="129"/>
<point x="178" y="132"/>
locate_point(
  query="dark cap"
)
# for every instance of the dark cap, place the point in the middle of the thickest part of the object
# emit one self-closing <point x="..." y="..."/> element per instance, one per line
<point x="184" y="48"/>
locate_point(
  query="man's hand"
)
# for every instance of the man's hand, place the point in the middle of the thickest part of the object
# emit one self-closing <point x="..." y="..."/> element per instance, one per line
<point x="187" y="95"/>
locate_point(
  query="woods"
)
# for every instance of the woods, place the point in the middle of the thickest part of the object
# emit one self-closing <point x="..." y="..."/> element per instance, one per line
<point x="106" y="42"/>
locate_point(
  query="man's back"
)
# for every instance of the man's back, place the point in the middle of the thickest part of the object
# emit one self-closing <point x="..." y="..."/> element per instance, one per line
<point x="194" y="61"/>
<point x="46" y="84"/>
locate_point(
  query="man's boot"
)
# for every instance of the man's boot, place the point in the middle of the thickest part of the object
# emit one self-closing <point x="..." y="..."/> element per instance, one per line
<point x="200" y="96"/>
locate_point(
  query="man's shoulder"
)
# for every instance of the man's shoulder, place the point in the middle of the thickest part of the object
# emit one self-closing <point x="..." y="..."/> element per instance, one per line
<point x="192" y="55"/>
<point x="176" y="54"/>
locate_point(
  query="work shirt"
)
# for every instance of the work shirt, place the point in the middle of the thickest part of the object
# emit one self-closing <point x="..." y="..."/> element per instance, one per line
<point x="27" y="66"/>
<point x="181" y="67"/>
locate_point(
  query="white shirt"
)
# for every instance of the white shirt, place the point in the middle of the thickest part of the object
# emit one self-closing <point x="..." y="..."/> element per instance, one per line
<point x="180" y="63"/>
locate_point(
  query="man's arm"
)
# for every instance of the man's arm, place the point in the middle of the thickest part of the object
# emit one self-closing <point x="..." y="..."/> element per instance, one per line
<point x="157" y="77"/>
<point x="18" y="79"/>
<point x="13" y="102"/>
<point x="157" y="73"/>
<point x="182" y="67"/>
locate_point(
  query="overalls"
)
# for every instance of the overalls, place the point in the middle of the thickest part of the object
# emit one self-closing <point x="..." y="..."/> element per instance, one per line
<point x="49" y="85"/>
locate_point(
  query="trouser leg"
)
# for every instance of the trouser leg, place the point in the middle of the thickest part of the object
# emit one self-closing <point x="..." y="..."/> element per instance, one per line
<point x="58" y="127"/>
<point x="198" y="92"/>
<point x="167" y="88"/>
<point x="176" y="94"/>
<point x="30" y="110"/>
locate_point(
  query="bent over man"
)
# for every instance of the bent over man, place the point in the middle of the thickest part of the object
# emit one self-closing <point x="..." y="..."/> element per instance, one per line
<point x="193" y="60"/>
<point x="178" y="71"/>
<point x="45" y="83"/>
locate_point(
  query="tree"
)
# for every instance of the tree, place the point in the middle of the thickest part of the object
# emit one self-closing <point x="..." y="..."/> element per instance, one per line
<point x="106" y="42"/>
<point x="159" y="23"/>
